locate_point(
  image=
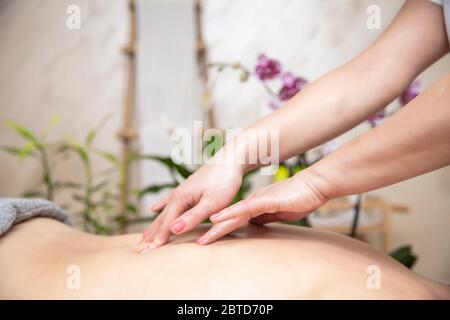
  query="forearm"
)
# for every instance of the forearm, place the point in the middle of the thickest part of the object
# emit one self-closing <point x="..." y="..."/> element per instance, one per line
<point x="414" y="141"/>
<point x="350" y="94"/>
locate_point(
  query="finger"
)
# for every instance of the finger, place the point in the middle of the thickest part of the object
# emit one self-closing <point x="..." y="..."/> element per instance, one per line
<point x="219" y="230"/>
<point x="171" y="212"/>
<point x="193" y="217"/>
<point x="248" y="207"/>
<point x="149" y="233"/>
<point x="157" y="207"/>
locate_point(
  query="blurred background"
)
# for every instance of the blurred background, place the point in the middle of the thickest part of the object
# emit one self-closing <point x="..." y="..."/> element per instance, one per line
<point x="91" y="91"/>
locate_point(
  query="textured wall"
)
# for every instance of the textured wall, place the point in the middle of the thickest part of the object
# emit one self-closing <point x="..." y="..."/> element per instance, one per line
<point x="168" y="93"/>
<point x="47" y="69"/>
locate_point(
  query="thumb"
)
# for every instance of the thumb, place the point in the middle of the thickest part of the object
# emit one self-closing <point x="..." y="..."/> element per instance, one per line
<point x="249" y="207"/>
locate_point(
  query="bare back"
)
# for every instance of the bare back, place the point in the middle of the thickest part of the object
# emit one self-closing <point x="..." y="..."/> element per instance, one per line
<point x="274" y="262"/>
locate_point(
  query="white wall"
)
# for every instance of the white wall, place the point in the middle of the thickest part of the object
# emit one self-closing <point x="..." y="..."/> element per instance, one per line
<point x="168" y="89"/>
<point x="46" y="70"/>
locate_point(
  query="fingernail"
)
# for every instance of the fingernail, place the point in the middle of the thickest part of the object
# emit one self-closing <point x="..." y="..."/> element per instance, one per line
<point x="142" y="247"/>
<point x="202" y="239"/>
<point x="215" y="216"/>
<point x="145" y="250"/>
<point x="178" y="226"/>
<point x="156" y="243"/>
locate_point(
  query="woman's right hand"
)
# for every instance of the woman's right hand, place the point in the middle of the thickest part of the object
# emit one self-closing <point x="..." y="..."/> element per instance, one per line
<point x="210" y="189"/>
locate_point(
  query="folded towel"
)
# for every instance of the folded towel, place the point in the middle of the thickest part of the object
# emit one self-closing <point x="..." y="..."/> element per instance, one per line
<point x="14" y="211"/>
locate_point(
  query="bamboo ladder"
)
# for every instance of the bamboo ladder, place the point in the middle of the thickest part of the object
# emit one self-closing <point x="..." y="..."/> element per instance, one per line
<point x="127" y="134"/>
<point x="202" y="62"/>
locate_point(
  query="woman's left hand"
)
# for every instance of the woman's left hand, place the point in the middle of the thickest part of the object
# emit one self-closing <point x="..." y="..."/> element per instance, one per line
<point x="289" y="200"/>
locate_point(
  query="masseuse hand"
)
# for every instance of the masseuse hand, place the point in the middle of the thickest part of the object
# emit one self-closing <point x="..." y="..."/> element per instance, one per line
<point x="345" y="97"/>
<point x="207" y="191"/>
<point x="289" y="200"/>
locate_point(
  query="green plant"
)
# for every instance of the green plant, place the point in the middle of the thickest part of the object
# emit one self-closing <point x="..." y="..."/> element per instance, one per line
<point x="98" y="193"/>
<point x="37" y="147"/>
<point x="95" y="195"/>
<point x="405" y="256"/>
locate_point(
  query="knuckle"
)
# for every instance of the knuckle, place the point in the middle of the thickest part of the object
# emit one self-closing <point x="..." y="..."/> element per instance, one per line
<point x="208" y="204"/>
<point x="187" y="218"/>
<point x="254" y="215"/>
<point x="177" y="193"/>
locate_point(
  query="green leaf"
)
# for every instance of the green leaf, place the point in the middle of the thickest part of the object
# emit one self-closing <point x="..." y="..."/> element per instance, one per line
<point x="107" y="195"/>
<point x="90" y="137"/>
<point x="213" y="144"/>
<point x="108" y="171"/>
<point x="24" y="132"/>
<point x="92" y="134"/>
<point x="121" y="219"/>
<point x="78" y="198"/>
<point x="75" y="146"/>
<point x="11" y="150"/>
<point x="301" y="223"/>
<point x="54" y="121"/>
<point x="102" y="230"/>
<point x="106" y="206"/>
<point x="33" y="194"/>
<point x="100" y="185"/>
<point x="67" y="185"/>
<point x="46" y="179"/>
<point x="155" y="188"/>
<point x="98" y="227"/>
<point x="405" y="256"/>
<point x="110" y="157"/>
<point x="62" y="148"/>
<point x="82" y="152"/>
<point x="27" y="150"/>
<point x="132" y="208"/>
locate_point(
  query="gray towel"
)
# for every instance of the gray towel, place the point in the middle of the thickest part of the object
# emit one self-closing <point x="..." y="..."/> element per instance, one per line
<point x="13" y="211"/>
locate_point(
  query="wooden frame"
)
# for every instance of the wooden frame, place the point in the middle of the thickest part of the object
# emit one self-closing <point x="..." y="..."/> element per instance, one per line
<point x="369" y="203"/>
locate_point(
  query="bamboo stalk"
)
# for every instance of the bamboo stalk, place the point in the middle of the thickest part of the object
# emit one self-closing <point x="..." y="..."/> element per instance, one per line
<point x="128" y="133"/>
<point x="202" y="61"/>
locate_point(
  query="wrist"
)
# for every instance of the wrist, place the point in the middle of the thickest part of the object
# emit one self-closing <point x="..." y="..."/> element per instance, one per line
<point x="231" y="154"/>
<point x="317" y="181"/>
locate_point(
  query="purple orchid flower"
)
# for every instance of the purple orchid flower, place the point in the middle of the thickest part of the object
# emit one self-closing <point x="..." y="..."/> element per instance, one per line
<point x="266" y="68"/>
<point x="377" y="118"/>
<point x="412" y="91"/>
<point x="291" y="86"/>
